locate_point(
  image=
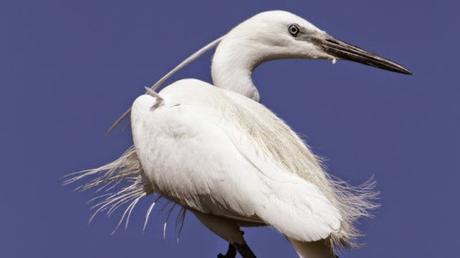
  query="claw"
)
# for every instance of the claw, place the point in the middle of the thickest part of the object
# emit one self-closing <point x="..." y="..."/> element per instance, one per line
<point x="243" y="249"/>
<point x="231" y="252"/>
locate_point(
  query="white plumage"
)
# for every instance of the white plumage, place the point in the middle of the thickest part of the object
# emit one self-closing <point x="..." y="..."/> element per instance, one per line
<point x="191" y="136"/>
<point x="223" y="156"/>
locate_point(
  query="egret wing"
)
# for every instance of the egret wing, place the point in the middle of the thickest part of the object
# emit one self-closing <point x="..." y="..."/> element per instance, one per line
<point x="214" y="151"/>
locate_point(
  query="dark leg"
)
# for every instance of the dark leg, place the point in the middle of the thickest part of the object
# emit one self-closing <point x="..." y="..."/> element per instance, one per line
<point x="245" y="251"/>
<point x="231" y="252"/>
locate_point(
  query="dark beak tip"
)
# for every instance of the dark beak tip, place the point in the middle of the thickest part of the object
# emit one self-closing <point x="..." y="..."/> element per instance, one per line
<point x="405" y="71"/>
<point x="345" y="51"/>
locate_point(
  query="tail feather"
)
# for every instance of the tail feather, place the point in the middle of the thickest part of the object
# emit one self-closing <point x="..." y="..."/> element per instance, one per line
<point x="125" y="172"/>
<point x="317" y="249"/>
<point x="122" y="184"/>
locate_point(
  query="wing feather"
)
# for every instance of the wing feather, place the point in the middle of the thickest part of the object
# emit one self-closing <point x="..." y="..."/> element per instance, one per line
<point x="220" y="153"/>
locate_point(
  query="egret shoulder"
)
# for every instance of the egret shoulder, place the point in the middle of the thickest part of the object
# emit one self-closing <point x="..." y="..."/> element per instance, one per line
<point x="234" y="160"/>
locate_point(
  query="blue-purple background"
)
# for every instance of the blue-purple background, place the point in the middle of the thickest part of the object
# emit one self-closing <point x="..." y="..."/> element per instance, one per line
<point x="69" y="68"/>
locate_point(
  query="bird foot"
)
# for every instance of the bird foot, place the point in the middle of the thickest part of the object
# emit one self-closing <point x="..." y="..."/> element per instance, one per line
<point x="231" y="252"/>
<point x="233" y="249"/>
<point x="245" y="251"/>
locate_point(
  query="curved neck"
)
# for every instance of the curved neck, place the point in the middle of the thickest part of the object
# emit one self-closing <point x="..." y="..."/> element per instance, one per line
<point x="232" y="67"/>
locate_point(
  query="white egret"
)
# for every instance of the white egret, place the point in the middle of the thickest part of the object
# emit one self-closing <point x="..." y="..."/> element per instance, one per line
<point x="218" y="153"/>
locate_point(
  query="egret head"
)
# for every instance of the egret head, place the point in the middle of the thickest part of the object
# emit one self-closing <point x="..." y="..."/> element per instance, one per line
<point x="272" y="35"/>
<point x="280" y="34"/>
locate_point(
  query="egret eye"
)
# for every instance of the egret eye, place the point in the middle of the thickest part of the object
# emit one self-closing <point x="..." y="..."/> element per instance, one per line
<point x="294" y="30"/>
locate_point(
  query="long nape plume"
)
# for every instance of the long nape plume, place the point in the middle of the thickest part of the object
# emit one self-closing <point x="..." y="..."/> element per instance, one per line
<point x="168" y="75"/>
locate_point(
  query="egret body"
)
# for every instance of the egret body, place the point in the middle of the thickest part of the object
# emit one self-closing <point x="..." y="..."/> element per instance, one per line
<point x="217" y="152"/>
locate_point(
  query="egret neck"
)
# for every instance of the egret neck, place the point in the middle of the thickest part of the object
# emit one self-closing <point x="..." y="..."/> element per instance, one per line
<point x="232" y="66"/>
<point x="280" y="35"/>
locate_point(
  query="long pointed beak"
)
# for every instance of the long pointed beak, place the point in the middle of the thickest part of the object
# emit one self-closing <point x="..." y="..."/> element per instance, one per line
<point x="342" y="50"/>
